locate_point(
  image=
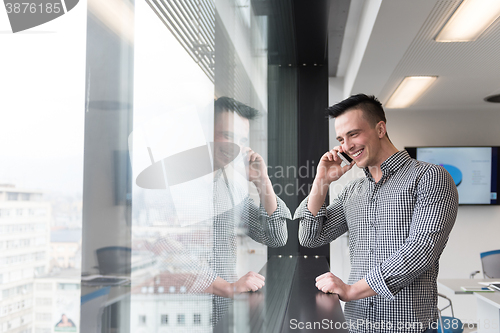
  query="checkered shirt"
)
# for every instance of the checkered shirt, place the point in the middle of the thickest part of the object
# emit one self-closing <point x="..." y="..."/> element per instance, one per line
<point x="398" y="228"/>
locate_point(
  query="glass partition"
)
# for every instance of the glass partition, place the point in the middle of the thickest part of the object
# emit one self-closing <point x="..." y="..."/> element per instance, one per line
<point x="200" y="119"/>
<point x="149" y="174"/>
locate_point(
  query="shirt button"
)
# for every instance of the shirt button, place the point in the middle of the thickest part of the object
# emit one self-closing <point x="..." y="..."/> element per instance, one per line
<point x="372" y="250"/>
<point x="371" y="303"/>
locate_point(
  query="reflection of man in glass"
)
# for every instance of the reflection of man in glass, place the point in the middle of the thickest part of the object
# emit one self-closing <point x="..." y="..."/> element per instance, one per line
<point x="213" y="268"/>
<point x="265" y="224"/>
<point x="65" y="322"/>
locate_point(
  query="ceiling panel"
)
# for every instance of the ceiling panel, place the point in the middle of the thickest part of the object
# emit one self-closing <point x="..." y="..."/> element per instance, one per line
<point x="468" y="72"/>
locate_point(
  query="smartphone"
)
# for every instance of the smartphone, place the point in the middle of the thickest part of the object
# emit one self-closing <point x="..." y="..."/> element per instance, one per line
<point x="346" y="158"/>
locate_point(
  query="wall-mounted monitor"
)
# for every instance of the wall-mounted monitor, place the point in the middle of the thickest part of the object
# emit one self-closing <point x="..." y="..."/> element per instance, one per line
<point x="475" y="170"/>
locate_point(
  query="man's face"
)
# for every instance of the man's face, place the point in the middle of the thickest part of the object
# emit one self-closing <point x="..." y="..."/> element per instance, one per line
<point x="358" y="138"/>
<point x="229" y="127"/>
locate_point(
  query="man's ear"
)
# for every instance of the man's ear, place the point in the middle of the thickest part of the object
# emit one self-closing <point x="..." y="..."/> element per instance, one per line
<point x="381" y="129"/>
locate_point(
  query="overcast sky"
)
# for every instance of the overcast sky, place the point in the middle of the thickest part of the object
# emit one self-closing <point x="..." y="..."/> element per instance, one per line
<point x="42" y="85"/>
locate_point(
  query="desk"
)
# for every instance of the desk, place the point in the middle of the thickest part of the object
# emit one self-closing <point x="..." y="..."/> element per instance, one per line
<point x="454" y="285"/>
<point x="488" y="312"/>
<point x="488" y="304"/>
<point x="289" y="300"/>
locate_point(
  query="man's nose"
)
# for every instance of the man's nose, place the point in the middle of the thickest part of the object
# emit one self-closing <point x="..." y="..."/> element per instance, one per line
<point x="347" y="145"/>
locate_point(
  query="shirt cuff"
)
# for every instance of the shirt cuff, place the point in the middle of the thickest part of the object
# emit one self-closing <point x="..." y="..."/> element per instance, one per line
<point x="202" y="280"/>
<point x="281" y="211"/>
<point x="376" y="281"/>
<point x="302" y="211"/>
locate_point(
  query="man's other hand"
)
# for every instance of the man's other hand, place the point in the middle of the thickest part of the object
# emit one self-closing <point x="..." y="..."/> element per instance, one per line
<point x="251" y="281"/>
<point x="256" y="167"/>
<point x="329" y="283"/>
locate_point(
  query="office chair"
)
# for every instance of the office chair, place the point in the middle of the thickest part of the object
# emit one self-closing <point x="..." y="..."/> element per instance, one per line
<point x="491" y="264"/>
<point x="450" y="324"/>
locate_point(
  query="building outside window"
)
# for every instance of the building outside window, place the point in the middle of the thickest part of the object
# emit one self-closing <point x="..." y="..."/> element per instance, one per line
<point x="12" y="196"/>
<point x="43" y="330"/>
<point x="68" y="286"/>
<point x="41" y="187"/>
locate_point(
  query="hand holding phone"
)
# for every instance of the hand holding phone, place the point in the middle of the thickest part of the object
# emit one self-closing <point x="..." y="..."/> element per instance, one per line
<point x="344" y="157"/>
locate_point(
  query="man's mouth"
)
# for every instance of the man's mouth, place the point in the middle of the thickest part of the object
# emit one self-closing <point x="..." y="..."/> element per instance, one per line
<point x="226" y="154"/>
<point x="356" y="154"/>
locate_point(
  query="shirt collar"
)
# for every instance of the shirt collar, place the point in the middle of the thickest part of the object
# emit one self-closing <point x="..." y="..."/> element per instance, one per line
<point x="392" y="164"/>
<point x="217" y="174"/>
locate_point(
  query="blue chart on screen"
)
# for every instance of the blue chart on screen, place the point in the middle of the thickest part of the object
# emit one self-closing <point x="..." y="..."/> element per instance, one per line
<point x="455" y="173"/>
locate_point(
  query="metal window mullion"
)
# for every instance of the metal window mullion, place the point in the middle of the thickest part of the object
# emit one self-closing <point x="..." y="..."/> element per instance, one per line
<point x="203" y="37"/>
<point x="209" y="7"/>
<point x="168" y="22"/>
<point x="188" y="10"/>
<point x="207" y="26"/>
<point x="209" y="20"/>
<point x="206" y="10"/>
<point x="209" y="40"/>
<point x="207" y="29"/>
<point x="189" y="4"/>
<point x="181" y="21"/>
<point x="206" y="62"/>
<point x="185" y="16"/>
<point x="176" y="16"/>
<point x="169" y="19"/>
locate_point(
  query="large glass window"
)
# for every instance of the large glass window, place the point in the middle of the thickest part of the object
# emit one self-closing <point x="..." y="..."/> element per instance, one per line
<point x="149" y="134"/>
<point x="198" y="149"/>
<point x="41" y="171"/>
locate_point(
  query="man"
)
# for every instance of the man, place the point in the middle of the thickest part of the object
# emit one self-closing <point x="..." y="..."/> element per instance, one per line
<point x="399" y="217"/>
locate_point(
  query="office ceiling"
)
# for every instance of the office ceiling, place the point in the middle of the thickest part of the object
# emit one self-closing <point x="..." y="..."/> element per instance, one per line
<point x="398" y="41"/>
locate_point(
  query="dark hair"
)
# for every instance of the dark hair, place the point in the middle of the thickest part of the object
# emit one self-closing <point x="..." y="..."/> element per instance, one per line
<point x="230" y="104"/>
<point x="370" y="105"/>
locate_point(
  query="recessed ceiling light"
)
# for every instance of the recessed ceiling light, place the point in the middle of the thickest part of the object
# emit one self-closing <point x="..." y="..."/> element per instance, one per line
<point x="469" y="21"/>
<point x="409" y="90"/>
